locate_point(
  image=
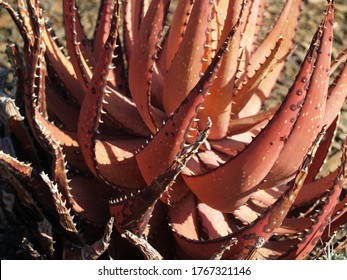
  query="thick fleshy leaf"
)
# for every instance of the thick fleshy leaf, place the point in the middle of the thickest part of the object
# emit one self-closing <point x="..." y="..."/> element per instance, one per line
<point x="135" y="11"/>
<point x="15" y="172"/>
<point x="251" y="165"/>
<point x="121" y="105"/>
<point x="261" y="229"/>
<point x="237" y="126"/>
<point x="92" y="195"/>
<point x="13" y="120"/>
<point x="217" y="105"/>
<point x="171" y="138"/>
<point x="132" y="212"/>
<point x="177" y="29"/>
<point x="65" y="218"/>
<point x="336" y="96"/>
<point x="187" y="64"/>
<point x="314" y="233"/>
<point x="258" y="25"/>
<point x="62" y="68"/>
<point x="142" y="62"/>
<point x="90" y="112"/>
<point x="248" y="37"/>
<point x="340" y="59"/>
<point x="248" y="89"/>
<point x="102" y="28"/>
<point x="80" y="53"/>
<point x="116" y="162"/>
<point x="285" y="27"/>
<point x="265" y="226"/>
<point x="312" y="110"/>
<point x="313" y="191"/>
<point x="133" y="14"/>
<point x="322" y="152"/>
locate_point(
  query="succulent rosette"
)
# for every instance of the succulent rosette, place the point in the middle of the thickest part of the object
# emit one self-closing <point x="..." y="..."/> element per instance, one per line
<point x="156" y="128"/>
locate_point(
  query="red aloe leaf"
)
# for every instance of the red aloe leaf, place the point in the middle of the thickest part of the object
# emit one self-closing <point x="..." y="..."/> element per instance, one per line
<point x="238" y="126"/>
<point x="265" y="226"/>
<point x="252" y="164"/>
<point x="123" y="111"/>
<point x="99" y="154"/>
<point x="228" y="146"/>
<point x="10" y="116"/>
<point x="190" y="237"/>
<point x="134" y="11"/>
<point x="116" y="163"/>
<point x="261" y="229"/>
<point x="313" y="191"/>
<point x="62" y="68"/>
<point x="9" y="172"/>
<point x="323" y="151"/>
<point x="214" y="223"/>
<point x="285" y="27"/>
<point x="340" y="59"/>
<point x="222" y="9"/>
<point x="217" y="105"/>
<point x="293" y="226"/>
<point x="251" y="86"/>
<point x="312" y="110"/>
<point x="171" y="137"/>
<point x="91" y="109"/>
<point x="177" y="29"/>
<point x="59" y="171"/>
<point x="36" y="23"/>
<point x="132" y="19"/>
<point x="183" y="220"/>
<point x="275" y="249"/>
<point x="188" y="60"/>
<point x="77" y="44"/>
<point x="102" y="28"/>
<point x="248" y="37"/>
<point x="64" y="119"/>
<point x="18" y="22"/>
<point x="148" y="251"/>
<point x="64" y="213"/>
<point x="324" y="214"/>
<point x="93" y="196"/>
<point x="336" y="96"/>
<point x="25" y="16"/>
<point x="133" y="212"/>
<point x="20" y="169"/>
<point x="142" y="62"/>
<point x="213" y="33"/>
<point x="258" y="25"/>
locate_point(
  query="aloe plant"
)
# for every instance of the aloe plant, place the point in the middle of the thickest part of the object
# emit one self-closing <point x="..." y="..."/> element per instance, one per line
<point x="156" y="129"/>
